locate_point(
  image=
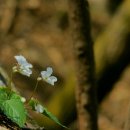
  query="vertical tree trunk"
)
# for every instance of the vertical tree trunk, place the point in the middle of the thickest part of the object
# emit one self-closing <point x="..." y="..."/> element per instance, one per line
<point x="86" y="90"/>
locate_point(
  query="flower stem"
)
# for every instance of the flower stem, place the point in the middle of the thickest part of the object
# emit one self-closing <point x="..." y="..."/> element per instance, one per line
<point x="33" y="91"/>
<point x="10" y="81"/>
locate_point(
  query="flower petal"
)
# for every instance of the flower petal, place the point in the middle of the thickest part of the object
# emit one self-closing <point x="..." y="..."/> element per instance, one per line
<point x="46" y="74"/>
<point x="26" y="72"/>
<point x="39" y="108"/>
<point x="49" y="71"/>
<point x="20" y="59"/>
<point x="23" y="66"/>
<point x="52" y="80"/>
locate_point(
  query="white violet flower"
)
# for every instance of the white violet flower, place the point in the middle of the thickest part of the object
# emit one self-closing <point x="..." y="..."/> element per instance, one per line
<point x="23" y="66"/>
<point x="39" y="108"/>
<point x="46" y="75"/>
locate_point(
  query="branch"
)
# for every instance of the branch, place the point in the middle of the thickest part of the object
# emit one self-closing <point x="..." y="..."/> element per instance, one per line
<point x="110" y="46"/>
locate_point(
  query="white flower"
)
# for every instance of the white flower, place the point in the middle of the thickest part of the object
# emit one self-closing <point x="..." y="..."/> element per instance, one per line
<point x="46" y="75"/>
<point x="23" y="99"/>
<point x="23" y="66"/>
<point x="39" y="108"/>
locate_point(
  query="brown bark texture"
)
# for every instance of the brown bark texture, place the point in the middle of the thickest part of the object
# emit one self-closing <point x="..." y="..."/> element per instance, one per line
<point x="86" y="90"/>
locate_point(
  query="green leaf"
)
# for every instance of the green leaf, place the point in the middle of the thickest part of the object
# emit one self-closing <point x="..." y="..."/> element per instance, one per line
<point x="14" y="110"/>
<point x="12" y="106"/>
<point x="48" y="114"/>
<point x="3" y="95"/>
<point x="52" y="117"/>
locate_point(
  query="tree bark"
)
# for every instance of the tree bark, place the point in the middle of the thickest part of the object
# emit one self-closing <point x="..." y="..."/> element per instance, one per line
<point x="86" y="90"/>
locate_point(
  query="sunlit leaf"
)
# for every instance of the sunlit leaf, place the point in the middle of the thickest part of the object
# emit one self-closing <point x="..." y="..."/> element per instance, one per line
<point x="12" y="106"/>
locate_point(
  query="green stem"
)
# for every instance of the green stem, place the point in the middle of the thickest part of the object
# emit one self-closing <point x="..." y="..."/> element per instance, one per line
<point x="10" y="81"/>
<point x="33" y="91"/>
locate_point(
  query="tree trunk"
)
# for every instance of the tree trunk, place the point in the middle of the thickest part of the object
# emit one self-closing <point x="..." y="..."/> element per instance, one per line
<point x="86" y="90"/>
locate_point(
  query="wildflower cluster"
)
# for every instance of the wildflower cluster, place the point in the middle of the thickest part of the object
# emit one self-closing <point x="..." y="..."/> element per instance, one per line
<point x="24" y="68"/>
